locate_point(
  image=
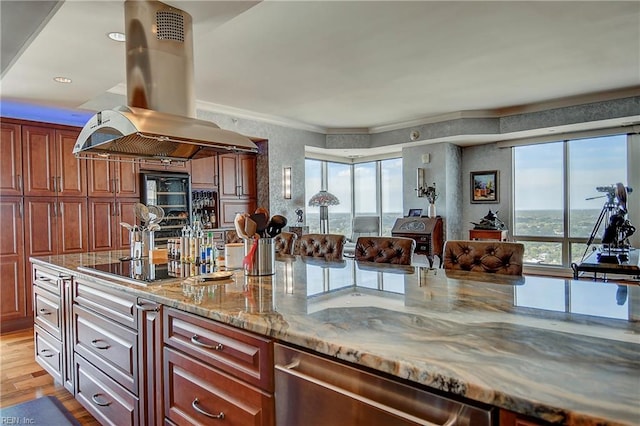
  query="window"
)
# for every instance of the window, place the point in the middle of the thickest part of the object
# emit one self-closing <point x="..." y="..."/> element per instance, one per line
<point x="370" y="188"/>
<point x="560" y="190"/>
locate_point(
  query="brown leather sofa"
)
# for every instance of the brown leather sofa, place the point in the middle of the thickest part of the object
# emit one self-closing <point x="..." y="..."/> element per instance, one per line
<point x="497" y="257"/>
<point x="231" y="236"/>
<point x="285" y="242"/>
<point x="396" y="250"/>
<point x="327" y="246"/>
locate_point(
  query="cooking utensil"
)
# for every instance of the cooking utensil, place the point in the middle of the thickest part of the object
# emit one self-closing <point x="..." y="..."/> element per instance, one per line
<point x="275" y="225"/>
<point x="154" y="227"/>
<point x="156" y="214"/>
<point x="261" y="221"/>
<point x="142" y="212"/>
<point x="250" y="227"/>
<point x="126" y="226"/>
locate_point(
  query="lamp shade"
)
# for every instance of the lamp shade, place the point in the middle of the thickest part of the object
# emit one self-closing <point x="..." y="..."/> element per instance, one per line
<point x="323" y="199"/>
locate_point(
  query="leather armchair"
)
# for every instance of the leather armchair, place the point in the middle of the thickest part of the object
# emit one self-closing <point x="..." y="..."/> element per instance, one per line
<point x="285" y="242"/>
<point x="231" y="236"/>
<point x="396" y="250"/>
<point x="327" y="246"/>
<point x="497" y="257"/>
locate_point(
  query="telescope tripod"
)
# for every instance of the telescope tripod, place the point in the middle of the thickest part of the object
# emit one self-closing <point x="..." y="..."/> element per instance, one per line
<point x="605" y="215"/>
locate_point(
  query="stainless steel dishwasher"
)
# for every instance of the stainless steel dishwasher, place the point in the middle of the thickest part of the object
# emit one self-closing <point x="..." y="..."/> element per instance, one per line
<point x="311" y="390"/>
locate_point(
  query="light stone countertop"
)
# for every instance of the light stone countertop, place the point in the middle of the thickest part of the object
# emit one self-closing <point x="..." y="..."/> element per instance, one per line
<point x="564" y="351"/>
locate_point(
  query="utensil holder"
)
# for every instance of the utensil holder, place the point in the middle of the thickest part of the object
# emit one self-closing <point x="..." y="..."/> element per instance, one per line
<point x="264" y="259"/>
<point x="135" y="244"/>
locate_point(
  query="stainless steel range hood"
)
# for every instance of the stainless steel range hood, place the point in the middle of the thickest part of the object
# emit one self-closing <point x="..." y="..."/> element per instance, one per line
<point x="159" y="121"/>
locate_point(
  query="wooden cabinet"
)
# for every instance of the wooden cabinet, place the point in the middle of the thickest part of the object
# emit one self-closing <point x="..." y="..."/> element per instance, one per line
<point x="150" y="362"/>
<point x="14" y="302"/>
<point x="238" y="186"/>
<point x="55" y="225"/>
<point x="117" y="177"/>
<point x="49" y="166"/>
<point x="204" y="173"/>
<point x="105" y="215"/>
<point x="105" y="346"/>
<point x="509" y="418"/>
<point x="10" y="159"/>
<point x="212" y="370"/>
<point x="52" y="324"/>
<point x="237" y="176"/>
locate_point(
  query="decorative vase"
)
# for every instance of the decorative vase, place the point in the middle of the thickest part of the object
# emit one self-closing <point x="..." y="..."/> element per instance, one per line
<point x="432" y="210"/>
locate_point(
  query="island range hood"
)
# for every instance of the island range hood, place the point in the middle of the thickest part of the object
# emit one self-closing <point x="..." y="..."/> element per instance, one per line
<point x="159" y="121"/>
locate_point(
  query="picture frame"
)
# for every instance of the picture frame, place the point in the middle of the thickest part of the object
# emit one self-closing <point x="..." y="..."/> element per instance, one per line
<point x="414" y="213"/>
<point x="485" y="187"/>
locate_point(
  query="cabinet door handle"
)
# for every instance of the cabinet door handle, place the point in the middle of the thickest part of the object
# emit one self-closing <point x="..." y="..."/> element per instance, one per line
<point x="59" y="184"/>
<point x="116" y="187"/>
<point x="43" y="311"/>
<point x="103" y="403"/>
<point x="195" y="403"/>
<point x="20" y="210"/>
<point x="19" y="182"/>
<point x="196" y="342"/>
<point x="95" y="344"/>
<point x="53" y="183"/>
<point x="44" y="351"/>
<point x="142" y="307"/>
<point x="55" y="209"/>
<point x="115" y="209"/>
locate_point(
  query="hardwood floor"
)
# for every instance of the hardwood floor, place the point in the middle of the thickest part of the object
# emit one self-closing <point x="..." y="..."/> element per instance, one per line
<point x="22" y="378"/>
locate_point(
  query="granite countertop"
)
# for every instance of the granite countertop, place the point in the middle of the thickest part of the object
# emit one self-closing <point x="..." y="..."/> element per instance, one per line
<point x="564" y="351"/>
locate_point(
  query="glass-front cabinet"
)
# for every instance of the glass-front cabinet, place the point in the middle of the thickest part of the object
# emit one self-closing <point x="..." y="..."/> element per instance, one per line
<point x="171" y="192"/>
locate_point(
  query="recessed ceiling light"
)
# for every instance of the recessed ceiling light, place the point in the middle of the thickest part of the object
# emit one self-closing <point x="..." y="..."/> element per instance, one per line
<point x="116" y="36"/>
<point x="62" y="79"/>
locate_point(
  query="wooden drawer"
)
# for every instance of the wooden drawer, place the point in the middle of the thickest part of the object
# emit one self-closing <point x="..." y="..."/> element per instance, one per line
<point x="47" y="279"/>
<point x="246" y="356"/>
<point x="47" y="312"/>
<point x="109" y="346"/>
<point x="104" y="398"/>
<point x="192" y="387"/>
<point x="48" y="352"/>
<point x="113" y="304"/>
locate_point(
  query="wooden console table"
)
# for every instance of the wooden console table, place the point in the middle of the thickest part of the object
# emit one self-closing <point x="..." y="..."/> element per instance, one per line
<point x="488" y="234"/>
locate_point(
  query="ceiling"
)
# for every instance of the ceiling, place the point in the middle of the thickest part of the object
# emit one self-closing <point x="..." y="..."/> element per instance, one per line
<point x="335" y="65"/>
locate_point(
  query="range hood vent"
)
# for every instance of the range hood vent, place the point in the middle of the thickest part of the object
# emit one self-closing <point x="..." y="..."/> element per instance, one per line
<point x="159" y="121"/>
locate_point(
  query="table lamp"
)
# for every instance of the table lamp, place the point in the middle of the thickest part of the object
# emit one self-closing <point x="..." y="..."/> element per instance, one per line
<point x="323" y="199"/>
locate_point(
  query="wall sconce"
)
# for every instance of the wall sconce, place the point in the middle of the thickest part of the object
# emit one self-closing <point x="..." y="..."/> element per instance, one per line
<point x="286" y="183"/>
<point x="420" y="182"/>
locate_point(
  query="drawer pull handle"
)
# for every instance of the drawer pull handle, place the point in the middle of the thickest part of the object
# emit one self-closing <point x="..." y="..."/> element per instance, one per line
<point x="196" y="342"/>
<point x="43" y="311"/>
<point x="195" y="403"/>
<point x="43" y="353"/>
<point x="96" y="401"/>
<point x="142" y="307"/>
<point x="47" y="280"/>
<point x="95" y="344"/>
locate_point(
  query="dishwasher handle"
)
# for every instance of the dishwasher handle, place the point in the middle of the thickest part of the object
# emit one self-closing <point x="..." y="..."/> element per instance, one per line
<point x="291" y="370"/>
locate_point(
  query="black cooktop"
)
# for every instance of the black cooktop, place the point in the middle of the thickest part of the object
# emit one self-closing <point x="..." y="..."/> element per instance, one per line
<point x="139" y="270"/>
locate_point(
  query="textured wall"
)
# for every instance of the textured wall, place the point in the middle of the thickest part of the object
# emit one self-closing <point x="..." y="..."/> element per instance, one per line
<point x="482" y="158"/>
<point x="285" y="149"/>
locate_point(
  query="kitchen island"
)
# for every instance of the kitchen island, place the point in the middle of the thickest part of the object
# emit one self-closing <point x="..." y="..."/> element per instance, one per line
<point x="562" y="351"/>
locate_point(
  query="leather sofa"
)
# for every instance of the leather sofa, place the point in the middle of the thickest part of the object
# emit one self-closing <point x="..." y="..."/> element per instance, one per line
<point x="285" y="242"/>
<point x="395" y="250"/>
<point x="497" y="257"/>
<point x="327" y="246"/>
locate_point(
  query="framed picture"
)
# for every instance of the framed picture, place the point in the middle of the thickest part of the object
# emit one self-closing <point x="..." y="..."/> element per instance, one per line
<point x="415" y="212"/>
<point x="484" y="187"/>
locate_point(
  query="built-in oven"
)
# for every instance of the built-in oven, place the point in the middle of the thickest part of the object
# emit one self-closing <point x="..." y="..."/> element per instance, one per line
<point x="315" y="391"/>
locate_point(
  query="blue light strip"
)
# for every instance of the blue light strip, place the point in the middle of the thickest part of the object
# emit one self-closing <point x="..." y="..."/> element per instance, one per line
<point x="45" y="114"/>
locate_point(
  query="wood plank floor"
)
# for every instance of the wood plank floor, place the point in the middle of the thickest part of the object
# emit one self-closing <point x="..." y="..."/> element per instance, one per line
<point x="22" y="378"/>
